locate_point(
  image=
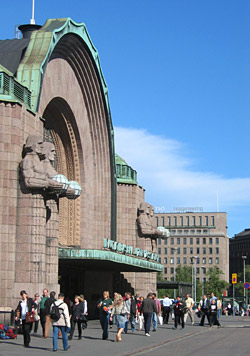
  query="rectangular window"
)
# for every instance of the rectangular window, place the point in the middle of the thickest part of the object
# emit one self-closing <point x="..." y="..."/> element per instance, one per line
<point x="217" y="260"/>
<point x="178" y="241"/>
<point x="159" y="260"/>
<point x="210" y="241"/>
<point x="217" y="241"/>
<point x="162" y="221"/>
<point x="172" y="241"/>
<point x="159" y="241"/>
<point x="171" y="260"/>
<point x="178" y="260"/>
<point x="204" y="241"/>
<point x="186" y="232"/>
<point x="204" y="260"/>
<point x="179" y="232"/>
<point x="173" y="232"/>
<point x="205" y="232"/>
<point x="193" y="220"/>
<point x="199" y="232"/>
<point x="175" y="221"/>
<point x="165" y="270"/>
<point x="197" y="250"/>
<point x="204" y="270"/>
<point x="181" y="219"/>
<point x="165" y="250"/>
<point x="210" y="261"/>
<point x="192" y="232"/>
<point x="204" y="250"/>
<point x="165" y="242"/>
<point x="184" y="250"/>
<point x="200" y="220"/>
<point x="210" y="250"/>
<point x="217" y="250"/>
<point x="197" y="240"/>
<point x="165" y="260"/>
<point x="169" y="220"/>
<point x="198" y="270"/>
<point x="156" y="221"/>
<point x="159" y="250"/>
<point x="172" y="270"/>
<point x="206" y="220"/>
<point x="184" y="260"/>
<point x="187" y="220"/>
<point x="178" y="250"/>
<point x="191" y="250"/>
<point x="184" y="240"/>
<point x="191" y="241"/>
<point x="198" y="260"/>
<point x="212" y="220"/>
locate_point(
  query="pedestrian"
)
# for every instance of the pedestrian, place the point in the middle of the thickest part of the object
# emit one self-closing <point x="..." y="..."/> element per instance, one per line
<point x="84" y="318"/>
<point x="204" y="307"/>
<point x="166" y="304"/>
<point x="47" y="306"/>
<point x="213" y="313"/>
<point x="62" y="324"/>
<point x="26" y="305"/>
<point x="179" y="313"/>
<point x="120" y="312"/>
<point x="140" y="313"/>
<point x="229" y="309"/>
<point x="131" y="306"/>
<point x="219" y="307"/>
<point x="213" y="297"/>
<point x="76" y="313"/>
<point x="148" y="308"/>
<point x="189" y="303"/>
<point x="158" y="314"/>
<point x="105" y="305"/>
<point x="45" y="296"/>
<point x="37" y="311"/>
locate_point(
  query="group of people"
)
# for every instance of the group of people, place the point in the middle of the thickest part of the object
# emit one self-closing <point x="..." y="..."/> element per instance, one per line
<point x="60" y="312"/>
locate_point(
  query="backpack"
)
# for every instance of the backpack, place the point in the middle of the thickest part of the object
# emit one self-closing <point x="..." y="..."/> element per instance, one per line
<point x="55" y="312"/>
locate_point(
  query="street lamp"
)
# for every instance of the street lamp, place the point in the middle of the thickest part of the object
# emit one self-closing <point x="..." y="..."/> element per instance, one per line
<point x="175" y="249"/>
<point x="202" y="278"/>
<point x="244" y="273"/>
<point x="194" y="258"/>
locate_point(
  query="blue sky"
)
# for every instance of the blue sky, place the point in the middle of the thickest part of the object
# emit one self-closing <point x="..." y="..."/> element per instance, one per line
<point x="178" y="74"/>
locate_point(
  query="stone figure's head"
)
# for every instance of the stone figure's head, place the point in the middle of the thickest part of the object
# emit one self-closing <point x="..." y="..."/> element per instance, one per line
<point x="34" y="143"/>
<point x="49" y="151"/>
<point x="142" y="208"/>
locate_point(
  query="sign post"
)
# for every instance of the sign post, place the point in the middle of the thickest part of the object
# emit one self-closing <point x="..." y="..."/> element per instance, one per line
<point x="246" y="286"/>
<point x="234" y="281"/>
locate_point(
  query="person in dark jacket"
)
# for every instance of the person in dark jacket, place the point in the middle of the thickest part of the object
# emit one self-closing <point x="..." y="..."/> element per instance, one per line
<point x="25" y="305"/>
<point x="76" y="314"/>
<point x="131" y="306"/>
<point x="178" y="313"/>
<point x="204" y="307"/>
<point x="47" y="306"/>
<point x="213" y="313"/>
<point x="148" y="308"/>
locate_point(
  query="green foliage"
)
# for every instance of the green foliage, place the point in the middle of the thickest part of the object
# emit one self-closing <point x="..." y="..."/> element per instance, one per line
<point x="239" y="287"/>
<point x="214" y="283"/>
<point x="184" y="274"/>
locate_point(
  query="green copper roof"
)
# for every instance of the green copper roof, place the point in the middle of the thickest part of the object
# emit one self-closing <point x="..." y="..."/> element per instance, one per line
<point x="124" y="173"/>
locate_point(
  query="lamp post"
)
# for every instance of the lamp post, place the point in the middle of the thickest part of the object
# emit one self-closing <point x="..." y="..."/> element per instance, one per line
<point x="175" y="249"/>
<point x="202" y="278"/>
<point x="244" y="276"/>
<point x="194" y="258"/>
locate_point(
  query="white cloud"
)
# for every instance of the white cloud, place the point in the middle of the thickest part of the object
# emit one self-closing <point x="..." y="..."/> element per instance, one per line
<point x="166" y="172"/>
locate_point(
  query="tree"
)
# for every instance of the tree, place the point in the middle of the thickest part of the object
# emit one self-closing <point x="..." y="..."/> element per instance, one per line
<point x="215" y="284"/>
<point x="239" y="287"/>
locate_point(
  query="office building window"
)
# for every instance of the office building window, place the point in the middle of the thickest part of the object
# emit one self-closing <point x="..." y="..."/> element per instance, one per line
<point x="172" y="241"/>
<point x="204" y="250"/>
<point x="204" y="260"/>
<point x="159" y="241"/>
<point x="191" y="241"/>
<point x="162" y="221"/>
<point x="198" y="270"/>
<point x="198" y="260"/>
<point x="217" y="260"/>
<point x="205" y="232"/>
<point x="159" y="260"/>
<point x="184" y="240"/>
<point x="217" y="241"/>
<point x="165" y="270"/>
<point x="156" y="221"/>
<point x="192" y="232"/>
<point x="217" y="250"/>
<point x="186" y="232"/>
<point x="197" y="240"/>
<point x="210" y="260"/>
<point x="204" y="241"/>
<point x="204" y="280"/>
<point x="212" y="220"/>
<point x="179" y="232"/>
<point x="204" y="270"/>
<point x="193" y="220"/>
<point x="181" y="219"/>
<point x="175" y="221"/>
<point x="165" y="260"/>
<point x="173" y="232"/>
<point x="165" y="250"/>
<point x="171" y="260"/>
<point x="187" y="220"/>
<point x="197" y="250"/>
<point x="159" y="250"/>
<point x="172" y="270"/>
<point x="184" y="250"/>
<point x="210" y="241"/>
<point x="178" y="241"/>
<point x="165" y="242"/>
<point x="169" y="220"/>
<point x="178" y="250"/>
<point x="210" y="250"/>
<point x="191" y="250"/>
<point x="178" y="260"/>
<point x="200" y="220"/>
<point x="172" y="251"/>
<point x="206" y="220"/>
<point x="199" y="232"/>
<point x="184" y="260"/>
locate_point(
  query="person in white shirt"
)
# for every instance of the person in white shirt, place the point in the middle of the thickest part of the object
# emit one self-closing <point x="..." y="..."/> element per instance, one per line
<point x="166" y="304"/>
<point x="189" y="303"/>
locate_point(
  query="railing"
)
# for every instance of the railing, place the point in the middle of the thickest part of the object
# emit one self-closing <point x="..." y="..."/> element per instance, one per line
<point x="7" y="316"/>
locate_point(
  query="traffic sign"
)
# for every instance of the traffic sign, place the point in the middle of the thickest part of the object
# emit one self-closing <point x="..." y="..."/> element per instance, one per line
<point x="246" y="285"/>
<point x="234" y="278"/>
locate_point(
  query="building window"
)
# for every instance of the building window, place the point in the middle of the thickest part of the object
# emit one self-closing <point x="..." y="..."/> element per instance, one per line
<point x="206" y="220"/>
<point x="159" y="260"/>
<point x="191" y="250"/>
<point x="191" y="241"/>
<point x="198" y="270"/>
<point x="165" y="250"/>
<point x="210" y="241"/>
<point x="171" y="260"/>
<point x="179" y="232"/>
<point x="210" y="261"/>
<point x="197" y="240"/>
<point x="217" y="260"/>
<point x="156" y="221"/>
<point x="159" y="241"/>
<point x="172" y="251"/>
<point x="184" y="241"/>
<point x="178" y="250"/>
<point x="184" y="260"/>
<point x="204" y="260"/>
<point x="162" y="221"/>
<point x="159" y="250"/>
<point x="217" y="250"/>
<point x="205" y="232"/>
<point x="184" y="250"/>
<point x="204" y="250"/>
<point x="197" y="250"/>
<point x="200" y="220"/>
<point x="204" y="241"/>
<point x="165" y="242"/>
<point x="204" y="280"/>
<point x="178" y="260"/>
<point x="186" y="232"/>
<point x="217" y="241"/>
<point x="175" y="221"/>
<point x="192" y="232"/>
<point x="199" y="232"/>
<point x="198" y="260"/>
<point x="178" y="241"/>
<point x="169" y="221"/>
<point x="193" y="220"/>
<point x="172" y="241"/>
<point x="172" y="270"/>
<point x="173" y="232"/>
<point x="165" y="260"/>
<point x="187" y="220"/>
<point x="165" y="270"/>
<point x="181" y="218"/>
<point x="212" y="219"/>
<point x="210" y="250"/>
<point x="204" y="270"/>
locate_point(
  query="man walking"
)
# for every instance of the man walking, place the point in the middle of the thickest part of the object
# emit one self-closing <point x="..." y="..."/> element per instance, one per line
<point x="166" y="304"/>
<point x="204" y="307"/>
<point x="62" y="323"/>
<point x="158" y="306"/>
<point x="42" y="309"/>
<point x="189" y="303"/>
<point x="148" y="308"/>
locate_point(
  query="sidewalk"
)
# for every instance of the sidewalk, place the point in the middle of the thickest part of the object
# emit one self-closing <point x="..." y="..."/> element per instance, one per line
<point x="93" y="345"/>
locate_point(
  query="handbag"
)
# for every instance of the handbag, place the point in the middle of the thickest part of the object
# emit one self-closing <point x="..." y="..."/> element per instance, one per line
<point x="30" y="317"/>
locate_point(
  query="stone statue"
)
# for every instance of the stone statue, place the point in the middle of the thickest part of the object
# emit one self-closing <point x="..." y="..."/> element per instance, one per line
<point x="146" y="222"/>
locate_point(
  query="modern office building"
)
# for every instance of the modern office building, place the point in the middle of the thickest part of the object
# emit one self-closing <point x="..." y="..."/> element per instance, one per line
<point x="194" y="234"/>
<point x="239" y="252"/>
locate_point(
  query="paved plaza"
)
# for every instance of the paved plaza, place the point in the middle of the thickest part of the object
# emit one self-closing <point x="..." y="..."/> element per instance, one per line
<point x="230" y="340"/>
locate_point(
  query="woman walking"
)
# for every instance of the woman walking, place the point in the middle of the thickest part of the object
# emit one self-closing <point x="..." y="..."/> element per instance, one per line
<point x="76" y="313"/>
<point x="121" y="313"/>
<point x="26" y="305"/>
